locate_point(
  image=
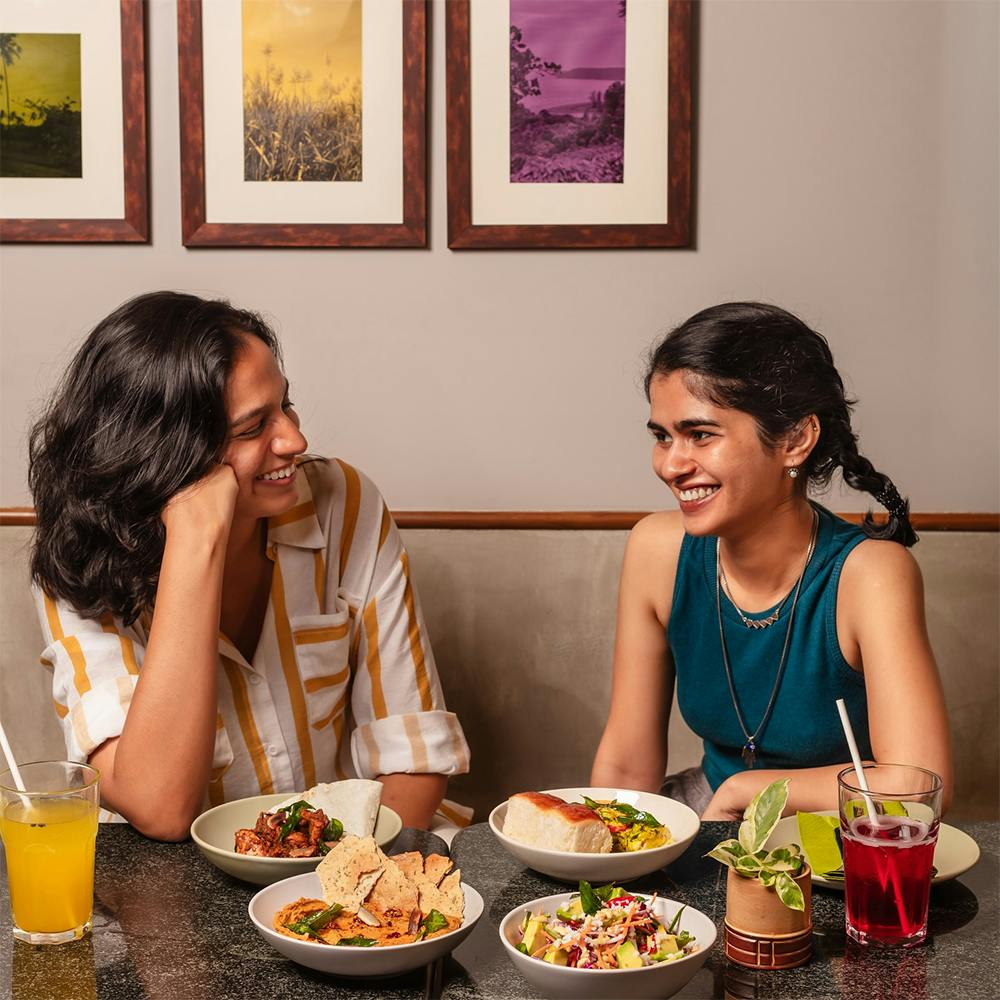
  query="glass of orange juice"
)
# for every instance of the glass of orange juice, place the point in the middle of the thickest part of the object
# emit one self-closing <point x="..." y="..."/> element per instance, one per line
<point x="49" y="833"/>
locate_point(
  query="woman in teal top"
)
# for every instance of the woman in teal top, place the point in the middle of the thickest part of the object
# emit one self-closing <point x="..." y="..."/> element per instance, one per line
<point x="761" y="606"/>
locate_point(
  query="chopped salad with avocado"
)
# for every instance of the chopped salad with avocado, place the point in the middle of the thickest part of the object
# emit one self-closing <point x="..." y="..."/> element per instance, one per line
<point x="604" y="928"/>
<point x="631" y="829"/>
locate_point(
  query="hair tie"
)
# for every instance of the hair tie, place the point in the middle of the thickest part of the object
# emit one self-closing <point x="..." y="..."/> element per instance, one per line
<point x="889" y="498"/>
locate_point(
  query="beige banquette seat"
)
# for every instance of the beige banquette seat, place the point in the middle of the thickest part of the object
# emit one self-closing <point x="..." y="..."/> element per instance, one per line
<point x="522" y="624"/>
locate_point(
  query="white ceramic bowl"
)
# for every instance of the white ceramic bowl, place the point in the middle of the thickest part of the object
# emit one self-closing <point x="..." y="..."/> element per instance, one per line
<point x="387" y="960"/>
<point x="661" y="980"/>
<point x="567" y="866"/>
<point x="214" y="832"/>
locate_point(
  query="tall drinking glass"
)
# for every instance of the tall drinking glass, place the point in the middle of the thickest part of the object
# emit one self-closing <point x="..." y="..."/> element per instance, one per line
<point x="887" y="863"/>
<point x="49" y="832"/>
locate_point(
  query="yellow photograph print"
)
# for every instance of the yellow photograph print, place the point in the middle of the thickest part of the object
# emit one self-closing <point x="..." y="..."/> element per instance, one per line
<point x="302" y="90"/>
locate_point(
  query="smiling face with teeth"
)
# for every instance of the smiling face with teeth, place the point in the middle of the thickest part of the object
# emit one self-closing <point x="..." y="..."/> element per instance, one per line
<point x="264" y="435"/>
<point x="712" y="458"/>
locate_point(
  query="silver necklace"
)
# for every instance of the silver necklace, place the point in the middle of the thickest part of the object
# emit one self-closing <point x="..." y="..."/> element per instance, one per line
<point x="755" y="623"/>
<point x="749" y="751"/>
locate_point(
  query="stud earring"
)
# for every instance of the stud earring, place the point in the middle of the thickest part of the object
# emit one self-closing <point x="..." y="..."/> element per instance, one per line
<point x="793" y="472"/>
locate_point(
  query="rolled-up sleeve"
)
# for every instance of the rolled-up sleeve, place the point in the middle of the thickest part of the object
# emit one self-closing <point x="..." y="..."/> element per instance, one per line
<point x="95" y="666"/>
<point x="401" y="722"/>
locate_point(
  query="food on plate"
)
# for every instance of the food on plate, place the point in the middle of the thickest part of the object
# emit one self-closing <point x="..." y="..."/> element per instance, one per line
<point x="631" y="829"/>
<point x="548" y="822"/>
<point x="293" y="829"/>
<point x="299" y="831"/>
<point x="595" y="827"/>
<point x="370" y="899"/>
<point x="604" y="928"/>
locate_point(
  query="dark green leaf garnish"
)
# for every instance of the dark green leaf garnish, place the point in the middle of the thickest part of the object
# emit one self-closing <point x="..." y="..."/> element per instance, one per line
<point x="589" y="899"/>
<point x="434" y="921"/>
<point x="356" y="942"/>
<point x="311" y="925"/>
<point x="293" y="817"/>
<point x="333" y="830"/>
<point x="676" y="921"/>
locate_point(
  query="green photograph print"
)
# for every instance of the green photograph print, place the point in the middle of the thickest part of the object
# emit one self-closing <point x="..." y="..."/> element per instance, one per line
<point x="40" y="112"/>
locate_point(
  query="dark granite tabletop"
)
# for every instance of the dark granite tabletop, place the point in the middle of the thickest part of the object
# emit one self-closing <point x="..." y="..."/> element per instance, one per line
<point x="169" y="926"/>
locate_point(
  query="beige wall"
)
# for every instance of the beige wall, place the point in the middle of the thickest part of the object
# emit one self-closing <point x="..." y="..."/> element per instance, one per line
<point x="847" y="168"/>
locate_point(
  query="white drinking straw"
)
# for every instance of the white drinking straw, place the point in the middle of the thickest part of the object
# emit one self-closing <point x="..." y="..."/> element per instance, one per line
<point x="856" y="757"/>
<point x="11" y="765"/>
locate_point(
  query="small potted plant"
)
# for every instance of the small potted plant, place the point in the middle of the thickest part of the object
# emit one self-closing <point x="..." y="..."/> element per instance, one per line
<point x="768" y="893"/>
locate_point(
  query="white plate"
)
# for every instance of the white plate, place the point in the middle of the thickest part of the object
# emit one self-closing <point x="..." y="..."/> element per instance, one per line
<point x="663" y="979"/>
<point x="568" y="866"/>
<point x="956" y="852"/>
<point x="380" y="960"/>
<point x="214" y="832"/>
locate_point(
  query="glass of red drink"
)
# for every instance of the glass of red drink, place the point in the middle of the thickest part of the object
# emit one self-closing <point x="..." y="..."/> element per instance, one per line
<point x="889" y="833"/>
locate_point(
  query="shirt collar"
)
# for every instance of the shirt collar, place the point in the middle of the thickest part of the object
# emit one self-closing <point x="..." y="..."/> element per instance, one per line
<point x="298" y="526"/>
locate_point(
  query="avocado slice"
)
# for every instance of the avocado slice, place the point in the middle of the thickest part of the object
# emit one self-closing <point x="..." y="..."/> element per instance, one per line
<point x="571" y="912"/>
<point x="556" y="956"/>
<point x="666" y="946"/>
<point x="534" y="936"/>
<point x="628" y="956"/>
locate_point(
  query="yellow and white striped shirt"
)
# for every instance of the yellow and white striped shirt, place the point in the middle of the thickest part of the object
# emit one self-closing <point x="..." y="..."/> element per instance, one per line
<point x="342" y="683"/>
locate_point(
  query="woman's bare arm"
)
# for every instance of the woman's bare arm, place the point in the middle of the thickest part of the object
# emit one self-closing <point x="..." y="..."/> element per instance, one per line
<point x="633" y="750"/>
<point x="156" y="772"/>
<point x="414" y="796"/>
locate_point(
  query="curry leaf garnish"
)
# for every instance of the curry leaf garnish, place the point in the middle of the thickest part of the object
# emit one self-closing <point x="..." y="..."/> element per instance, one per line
<point x="311" y="925"/>
<point x="357" y="942"/>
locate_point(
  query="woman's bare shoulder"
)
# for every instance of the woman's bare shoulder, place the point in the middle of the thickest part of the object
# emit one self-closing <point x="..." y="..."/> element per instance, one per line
<point x="658" y="534"/>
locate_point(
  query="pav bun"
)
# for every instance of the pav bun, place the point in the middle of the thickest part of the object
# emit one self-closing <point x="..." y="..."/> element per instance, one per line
<point x="548" y="822"/>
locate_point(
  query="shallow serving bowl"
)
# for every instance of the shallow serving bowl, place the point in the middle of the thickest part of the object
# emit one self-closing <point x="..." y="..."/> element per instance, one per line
<point x="568" y="866"/>
<point x="383" y="960"/>
<point x="661" y="980"/>
<point x="214" y="832"/>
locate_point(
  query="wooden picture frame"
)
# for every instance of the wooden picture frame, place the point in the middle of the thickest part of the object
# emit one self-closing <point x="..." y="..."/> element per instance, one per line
<point x="487" y="209"/>
<point x="202" y="228"/>
<point x="78" y="203"/>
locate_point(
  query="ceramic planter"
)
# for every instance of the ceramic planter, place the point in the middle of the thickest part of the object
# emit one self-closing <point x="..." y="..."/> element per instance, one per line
<point x="761" y="932"/>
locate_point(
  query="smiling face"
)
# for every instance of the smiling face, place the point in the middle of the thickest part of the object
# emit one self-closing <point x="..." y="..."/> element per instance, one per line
<point x="711" y="457"/>
<point x="264" y="436"/>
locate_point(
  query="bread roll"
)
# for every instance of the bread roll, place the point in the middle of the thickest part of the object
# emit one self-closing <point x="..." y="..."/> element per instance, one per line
<point x="546" y="821"/>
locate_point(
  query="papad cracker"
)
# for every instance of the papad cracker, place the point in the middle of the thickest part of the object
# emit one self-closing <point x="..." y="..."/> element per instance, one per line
<point x="436" y="866"/>
<point x="350" y="870"/>
<point x="411" y="863"/>
<point x="394" y="896"/>
<point x="448" y="898"/>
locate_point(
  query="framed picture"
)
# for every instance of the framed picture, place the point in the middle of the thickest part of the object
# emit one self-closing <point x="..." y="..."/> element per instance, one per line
<point x="307" y="126"/>
<point x="569" y="123"/>
<point x="73" y="122"/>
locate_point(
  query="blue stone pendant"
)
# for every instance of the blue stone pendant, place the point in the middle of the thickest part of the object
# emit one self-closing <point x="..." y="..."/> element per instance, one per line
<point x="749" y="754"/>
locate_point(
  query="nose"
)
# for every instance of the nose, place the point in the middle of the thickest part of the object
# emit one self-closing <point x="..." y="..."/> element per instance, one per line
<point x="289" y="440"/>
<point x="674" y="462"/>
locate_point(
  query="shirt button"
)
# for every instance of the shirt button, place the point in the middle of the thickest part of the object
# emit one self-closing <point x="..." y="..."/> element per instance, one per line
<point x="272" y="750"/>
<point x="255" y="678"/>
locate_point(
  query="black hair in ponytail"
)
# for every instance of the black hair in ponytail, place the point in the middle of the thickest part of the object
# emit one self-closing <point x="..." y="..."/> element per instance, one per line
<point x="760" y="359"/>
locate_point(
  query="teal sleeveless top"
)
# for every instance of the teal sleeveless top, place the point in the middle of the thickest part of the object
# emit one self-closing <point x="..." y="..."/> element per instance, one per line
<point x="804" y="728"/>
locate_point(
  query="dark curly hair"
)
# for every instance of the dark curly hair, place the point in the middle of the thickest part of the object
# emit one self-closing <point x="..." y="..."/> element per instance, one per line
<point x="760" y="359"/>
<point x="139" y="415"/>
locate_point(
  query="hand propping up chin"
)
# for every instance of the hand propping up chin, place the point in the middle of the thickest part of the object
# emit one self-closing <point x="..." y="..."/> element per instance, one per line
<point x="205" y="508"/>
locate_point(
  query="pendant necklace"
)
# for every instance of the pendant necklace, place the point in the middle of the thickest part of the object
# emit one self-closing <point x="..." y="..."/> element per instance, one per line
<point x="749" y="751"/>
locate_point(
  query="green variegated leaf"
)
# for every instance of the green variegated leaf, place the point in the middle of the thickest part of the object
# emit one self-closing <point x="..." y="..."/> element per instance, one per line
<point x="748" y="864"/>
<point x="784" y="859"/>
<point x="728" y="852"/>
<point x="762" y="815"/>
<point x="767" y="878"/>
<point x="788" y="892"/>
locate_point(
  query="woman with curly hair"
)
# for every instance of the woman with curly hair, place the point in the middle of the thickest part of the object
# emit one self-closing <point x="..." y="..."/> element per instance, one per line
<point x="225" y="616"/>
<point x="761" y="605"/>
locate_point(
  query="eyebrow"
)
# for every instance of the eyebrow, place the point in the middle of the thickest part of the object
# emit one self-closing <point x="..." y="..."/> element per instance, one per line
<point x="685" y="425"/>
<point x="257" y="411"/>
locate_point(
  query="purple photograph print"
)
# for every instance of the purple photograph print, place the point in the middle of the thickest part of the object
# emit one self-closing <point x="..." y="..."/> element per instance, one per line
<point x="567" y="91"/>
